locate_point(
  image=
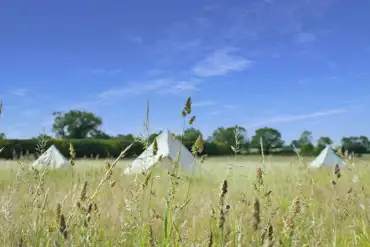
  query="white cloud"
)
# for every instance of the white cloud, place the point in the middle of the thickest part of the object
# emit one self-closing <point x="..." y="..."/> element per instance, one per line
<point x="221" y="62"/>
<point x="156" y="86"/>
<point x="293" y="118"/>
<point x="20" y="92"/>
<point x="305" y="37"/>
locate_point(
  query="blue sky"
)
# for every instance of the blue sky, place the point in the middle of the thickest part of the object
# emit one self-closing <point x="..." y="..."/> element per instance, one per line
<point x="288" y="64"/>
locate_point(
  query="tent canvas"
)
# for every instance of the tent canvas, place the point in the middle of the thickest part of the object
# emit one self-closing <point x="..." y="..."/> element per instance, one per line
<point x="327" y="158"/>
<point x="168" y="148"/>
<point x="52" y="158"/>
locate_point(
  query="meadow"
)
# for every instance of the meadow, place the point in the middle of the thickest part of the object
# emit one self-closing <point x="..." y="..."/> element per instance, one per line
<point x="231" y="202"/>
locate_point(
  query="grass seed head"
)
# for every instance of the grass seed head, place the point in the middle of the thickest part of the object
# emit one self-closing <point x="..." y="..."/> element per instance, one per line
<point x="107" y="166"/>
<point x="58" y="211"/>
<point x="337" y="171"/>
<point x="83" y="194"/>
<point x="63" y="226"/>
<point x="72" y="154"/>
<point x="288" y="226"/>
<point x="295" y="207"/>
<point x="221" y="218"/>
<point x="210" y="240"/>
<point x="256" y="214"/>
<point x="259" y="175"/>
<point x="267" y="235"/>
<point x="151" y="237"/>
<point x="224" y="188"/>
<point x="147" y="178"/>
<point x="192" y="119"/>
<point x="188" y="106"/>
<point x="198" y="146"/>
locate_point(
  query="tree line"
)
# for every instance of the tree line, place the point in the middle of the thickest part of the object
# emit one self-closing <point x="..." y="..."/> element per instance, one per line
<point x="83" y="129"/>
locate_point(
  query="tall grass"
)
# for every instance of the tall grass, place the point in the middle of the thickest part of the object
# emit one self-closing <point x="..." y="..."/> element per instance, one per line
<point x="255" y="204"/>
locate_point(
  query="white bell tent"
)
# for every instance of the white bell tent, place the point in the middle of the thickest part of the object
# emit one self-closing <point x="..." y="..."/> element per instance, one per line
<point x="168" y="148"/>
<point x="51" y="158"/>
<point x="327" y="158"/>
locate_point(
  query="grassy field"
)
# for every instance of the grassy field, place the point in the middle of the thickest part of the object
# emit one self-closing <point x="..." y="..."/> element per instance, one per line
<point x="289" y="205"/>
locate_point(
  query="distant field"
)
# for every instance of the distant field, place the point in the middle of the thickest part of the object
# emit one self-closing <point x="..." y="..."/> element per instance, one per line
<point x="303" y="208"/>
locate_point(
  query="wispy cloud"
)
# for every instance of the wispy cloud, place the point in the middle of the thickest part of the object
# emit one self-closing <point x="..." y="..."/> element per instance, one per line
<point x="29" y="112"/>
<point x="305" y="37"/>
<point x="180" y="87"/>
<point x="230" y="106"/>
<point x="155" y="72"/>
<point x="222" y="107"/>
<point x="204" y="103"/>
<point x="157" y="86"/>
<point x="185" y="45"/>
<point x="304" y="81"/>
<point x="20" y="92"/>
<point x="221" y="62"/>
<point x="135" y="39"/>
<point x="216" y="113"/>
<point x="110" y="72"/>
<point x="293" y="118"/>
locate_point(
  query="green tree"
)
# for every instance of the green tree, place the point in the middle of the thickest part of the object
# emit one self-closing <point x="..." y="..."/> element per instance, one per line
<point x="153" y="136"/>
<point x="307" y="149"/>
<point x="271" y="138"/>
<point x="76" y="124"/>
<point x="365" y="142"/>
<point x="129" y="138"/>
<point x="43" y="136"/>
<point x="226" y="136"/>
<point x="356" y="144"/>
<point x="2" y="136"/>
<point x="305" y="138"/>
<point x="321" y="143"/>
<point x="99" y="134"/>
<point x="190" y="135"/>
<point x="305" y="143"/>
<point x="295" y="143"/>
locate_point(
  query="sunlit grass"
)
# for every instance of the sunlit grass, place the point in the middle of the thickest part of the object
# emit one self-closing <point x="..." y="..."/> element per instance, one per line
<point x="327" y="213"/>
